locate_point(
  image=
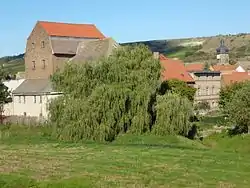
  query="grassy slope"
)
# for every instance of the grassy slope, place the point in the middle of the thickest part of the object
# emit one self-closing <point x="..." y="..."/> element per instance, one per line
<point x="28" y="157"/>
<point x="13" y="64"/>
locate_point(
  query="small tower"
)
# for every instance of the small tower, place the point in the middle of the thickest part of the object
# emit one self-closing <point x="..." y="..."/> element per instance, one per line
<point x="222" y="54"/>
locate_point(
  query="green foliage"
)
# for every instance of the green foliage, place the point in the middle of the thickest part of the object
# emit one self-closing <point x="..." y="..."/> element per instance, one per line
<point x="179" y="87"/>
<point x="173" y="115"/>
<point x="116" y="95"/>
<point x="227" y="93"/>
<point x="107" y="97"/>
<point x="238" y="109"/>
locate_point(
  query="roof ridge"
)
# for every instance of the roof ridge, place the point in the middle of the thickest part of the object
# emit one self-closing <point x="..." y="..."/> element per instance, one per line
<point x="68" y="23"/>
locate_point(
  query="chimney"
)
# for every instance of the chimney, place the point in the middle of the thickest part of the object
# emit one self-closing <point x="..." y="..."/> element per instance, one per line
<point x="156" y="55"/>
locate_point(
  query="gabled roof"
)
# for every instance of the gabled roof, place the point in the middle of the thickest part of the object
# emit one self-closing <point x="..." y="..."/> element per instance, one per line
<point x="174" y="69"/>
<point x="224" y="67"/>
<point x="33" y="87"/>
<point x="193" y="67"/>
<point x="228" y="79"/>
<point x="71" y="30"/>
<point x="92" y="50"/>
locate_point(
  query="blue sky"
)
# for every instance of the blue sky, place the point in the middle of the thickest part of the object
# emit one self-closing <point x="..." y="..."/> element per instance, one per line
<point x="125" y="20"/>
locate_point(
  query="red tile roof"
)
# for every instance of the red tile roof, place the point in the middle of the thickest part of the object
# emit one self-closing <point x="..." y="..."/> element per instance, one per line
<point x="228" y="79"/>
<point x="71" y="30"/>
<point x="174" y="69"/>
<point x="224" y="67"/>
<point x="192" y="67"/>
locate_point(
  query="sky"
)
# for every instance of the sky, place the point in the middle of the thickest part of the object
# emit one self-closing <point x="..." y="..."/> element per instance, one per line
<point x="125" y="20"/>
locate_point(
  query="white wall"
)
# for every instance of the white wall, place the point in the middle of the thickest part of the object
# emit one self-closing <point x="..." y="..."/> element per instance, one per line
<point x="31" y="107"/>
<point x="12" y="85"/>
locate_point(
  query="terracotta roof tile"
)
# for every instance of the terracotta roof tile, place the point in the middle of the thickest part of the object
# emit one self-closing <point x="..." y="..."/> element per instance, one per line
<point x="71" y="30"/>
<point x="228" y="79"/>
<point x="192" y="67"/>
<point x="224" y="67"/>
<point x="174" y="69"/>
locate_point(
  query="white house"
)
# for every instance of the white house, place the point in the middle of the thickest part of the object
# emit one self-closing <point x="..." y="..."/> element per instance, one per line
<point x="12" y="85"/>
<point x="32" y="97"/>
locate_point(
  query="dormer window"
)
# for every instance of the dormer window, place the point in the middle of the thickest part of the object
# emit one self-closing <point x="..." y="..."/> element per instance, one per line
<point x="42" y="44"/>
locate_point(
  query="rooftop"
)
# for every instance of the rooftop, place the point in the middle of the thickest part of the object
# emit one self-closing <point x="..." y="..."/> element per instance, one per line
<point x="174" y="69"/>
<point x="193" y="67"/>
<point x="224" y="67"/>
<point x="71" y="30"/>
<point x="235" y="77"/>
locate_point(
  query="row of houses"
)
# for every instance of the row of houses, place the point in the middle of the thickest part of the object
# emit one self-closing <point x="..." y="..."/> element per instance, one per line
<point x="51" y="45"/>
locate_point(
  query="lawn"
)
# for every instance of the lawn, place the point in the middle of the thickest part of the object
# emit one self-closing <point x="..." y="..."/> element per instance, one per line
<point x="29" y="158"/>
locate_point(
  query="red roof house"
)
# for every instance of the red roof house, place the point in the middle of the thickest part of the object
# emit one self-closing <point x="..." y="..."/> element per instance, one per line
<point x="174" y="69"/>
<point x="71" y="30"/>
<point x="234" y="77"/>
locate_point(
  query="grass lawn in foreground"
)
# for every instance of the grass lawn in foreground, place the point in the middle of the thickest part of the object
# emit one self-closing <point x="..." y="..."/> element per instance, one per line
<point x="130" y="161"/>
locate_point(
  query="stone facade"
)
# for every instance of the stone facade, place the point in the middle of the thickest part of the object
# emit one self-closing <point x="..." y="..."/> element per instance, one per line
<point x="38" y="55"/>
<point x="44" y="54"/>
<point x="208" y="85"/>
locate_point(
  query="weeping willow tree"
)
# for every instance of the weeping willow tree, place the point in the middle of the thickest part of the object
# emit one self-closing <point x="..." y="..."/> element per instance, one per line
<point x="111" y="96"/>
<point x="106" y="97"/>
<point x="173" y="115"/>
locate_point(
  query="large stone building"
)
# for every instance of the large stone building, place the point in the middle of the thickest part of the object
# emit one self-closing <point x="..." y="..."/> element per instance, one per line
<point x="49" y="47"/>
<point x="208" y="85"/>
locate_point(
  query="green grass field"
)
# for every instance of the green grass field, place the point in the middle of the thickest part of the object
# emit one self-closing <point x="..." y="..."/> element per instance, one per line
<point x="30" y="158"/>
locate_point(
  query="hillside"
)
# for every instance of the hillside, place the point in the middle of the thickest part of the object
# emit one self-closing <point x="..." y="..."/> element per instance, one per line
<point x="201" y="48"/>
<point x="13" y="64"/>
<point x="189" y="49"/>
